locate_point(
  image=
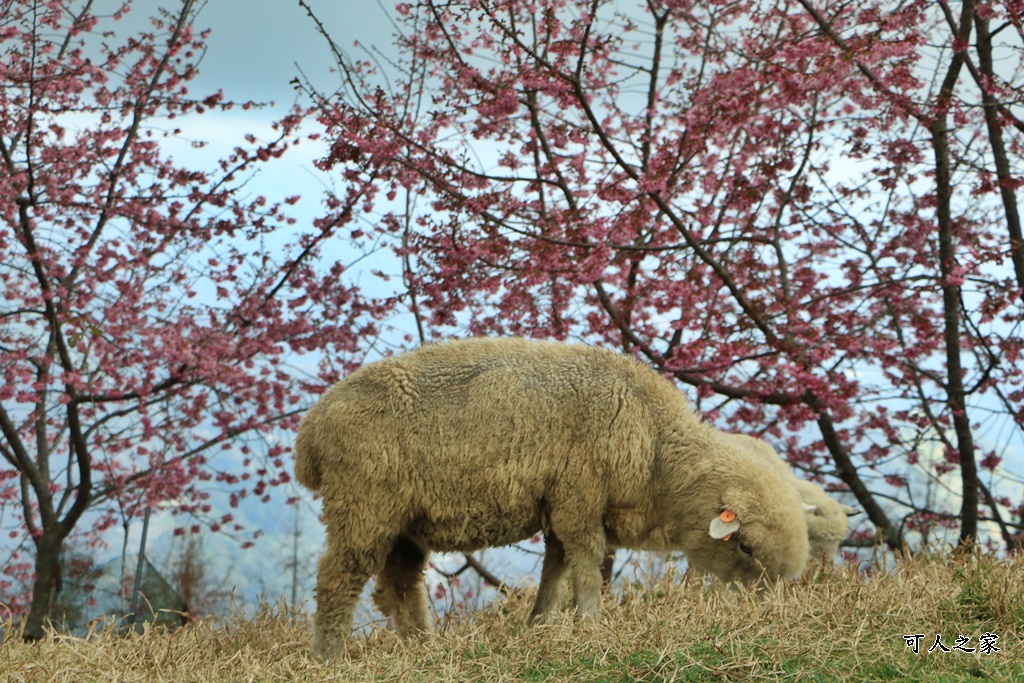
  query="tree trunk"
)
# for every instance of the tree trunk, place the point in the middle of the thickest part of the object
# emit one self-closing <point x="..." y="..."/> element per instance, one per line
<point x="957" y="395"/>
<point x="46" y="586"/>
<point x="1007" y="193"/>
<point x="848" y="474"/>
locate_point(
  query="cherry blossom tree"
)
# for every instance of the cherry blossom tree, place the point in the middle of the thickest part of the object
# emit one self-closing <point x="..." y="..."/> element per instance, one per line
<point x="153" y="315"/>
<point x="804" y="211"/>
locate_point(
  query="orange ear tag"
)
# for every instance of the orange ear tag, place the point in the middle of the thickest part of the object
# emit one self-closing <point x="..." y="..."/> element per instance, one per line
<point x="727" y="516"/>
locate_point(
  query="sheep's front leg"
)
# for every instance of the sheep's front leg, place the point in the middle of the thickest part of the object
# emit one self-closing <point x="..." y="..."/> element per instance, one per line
<point x="583" y="555"/>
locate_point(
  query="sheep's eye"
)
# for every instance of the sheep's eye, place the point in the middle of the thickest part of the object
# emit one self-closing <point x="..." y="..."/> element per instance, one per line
<point x="746" y="549"/>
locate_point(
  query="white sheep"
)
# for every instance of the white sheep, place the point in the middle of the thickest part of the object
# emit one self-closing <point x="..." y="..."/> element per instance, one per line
<point x="485" y="442"/>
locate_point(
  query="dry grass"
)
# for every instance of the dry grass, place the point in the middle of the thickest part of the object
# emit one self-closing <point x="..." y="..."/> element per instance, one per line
<point x="838" y="627"/>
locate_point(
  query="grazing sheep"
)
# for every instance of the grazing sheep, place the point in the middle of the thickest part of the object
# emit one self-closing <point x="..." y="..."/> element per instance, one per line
<point x="485" y="442"/>
<point x="826" y="517"/>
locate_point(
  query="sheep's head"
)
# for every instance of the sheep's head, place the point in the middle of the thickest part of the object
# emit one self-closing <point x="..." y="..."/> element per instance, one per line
<point x="827" y="519"/>
<point x="754" y="527"/>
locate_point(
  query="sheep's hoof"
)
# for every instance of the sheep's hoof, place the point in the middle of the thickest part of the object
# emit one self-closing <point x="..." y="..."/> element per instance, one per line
<point x="538" y="618"/>
<point x="325" y="648"/>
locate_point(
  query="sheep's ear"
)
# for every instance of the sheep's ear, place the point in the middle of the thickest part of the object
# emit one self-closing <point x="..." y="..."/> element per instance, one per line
<point x="724" y="526"/>
<point x="809" y="508"/>
<point x="850" y="510"/>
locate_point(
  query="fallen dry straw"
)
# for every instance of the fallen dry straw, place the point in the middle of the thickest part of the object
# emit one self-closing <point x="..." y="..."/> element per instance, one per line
<point x="842" y="626"/>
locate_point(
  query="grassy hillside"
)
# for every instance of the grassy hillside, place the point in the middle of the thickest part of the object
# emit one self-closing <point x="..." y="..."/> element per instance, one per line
<point x="835" y="627"/>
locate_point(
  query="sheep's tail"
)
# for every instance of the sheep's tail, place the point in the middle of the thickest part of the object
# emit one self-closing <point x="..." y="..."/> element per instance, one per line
<point x="307" y="460"/>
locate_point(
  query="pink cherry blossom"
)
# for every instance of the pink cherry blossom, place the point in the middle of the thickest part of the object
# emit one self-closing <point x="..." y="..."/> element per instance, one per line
<point x="152" y="314"/>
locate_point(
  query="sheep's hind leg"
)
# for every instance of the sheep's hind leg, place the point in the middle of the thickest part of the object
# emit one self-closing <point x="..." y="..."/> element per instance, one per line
<point x="341" y="575"/>
<point x="400" y="592"/>
<point x="550" y="589"/>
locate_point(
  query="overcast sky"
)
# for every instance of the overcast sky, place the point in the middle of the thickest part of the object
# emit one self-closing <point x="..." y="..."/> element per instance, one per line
<point x="257" y="46"/>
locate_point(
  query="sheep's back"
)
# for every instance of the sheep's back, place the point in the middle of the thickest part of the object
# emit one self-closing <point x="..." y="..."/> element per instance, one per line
<point x="491" y="418"/>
